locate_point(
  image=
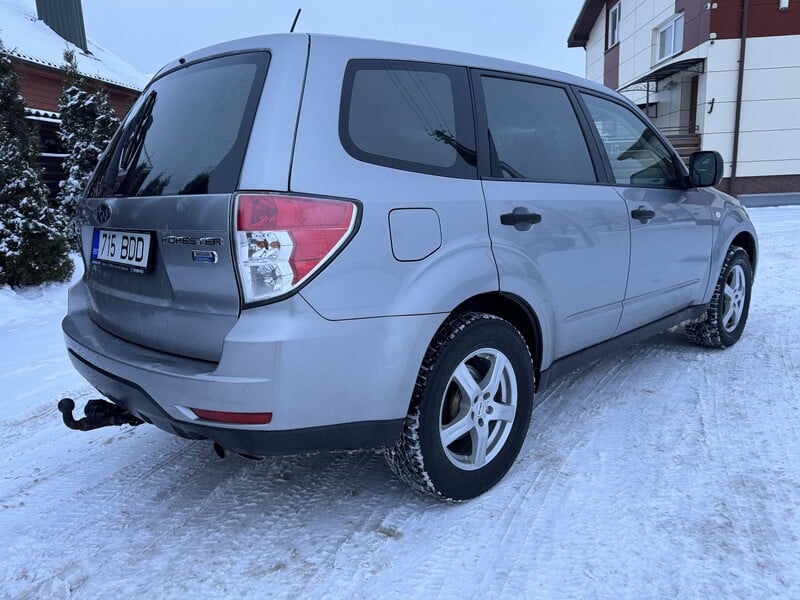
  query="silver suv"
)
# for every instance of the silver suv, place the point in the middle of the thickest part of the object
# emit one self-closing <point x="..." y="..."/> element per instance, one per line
<point x="305" y="242"/>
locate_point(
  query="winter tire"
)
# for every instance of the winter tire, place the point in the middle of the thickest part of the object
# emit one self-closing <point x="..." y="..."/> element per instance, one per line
<point x="470" y="410"/>
<point x="726" y="316"/>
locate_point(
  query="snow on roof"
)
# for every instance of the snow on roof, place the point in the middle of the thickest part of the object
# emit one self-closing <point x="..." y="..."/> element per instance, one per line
<point x="28" y="38"/>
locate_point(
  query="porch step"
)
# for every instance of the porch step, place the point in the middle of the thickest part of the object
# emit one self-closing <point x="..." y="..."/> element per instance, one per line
<point x="685" y="144"/>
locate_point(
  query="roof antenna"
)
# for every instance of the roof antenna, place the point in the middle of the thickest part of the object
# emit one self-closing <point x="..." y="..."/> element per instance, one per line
<point x="297" y="16"/>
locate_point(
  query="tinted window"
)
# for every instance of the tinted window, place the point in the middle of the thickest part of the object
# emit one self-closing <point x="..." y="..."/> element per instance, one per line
<point x="638" y="157"/>
<point x="414" y="116"/>
<point x="187" y="135"/>
<point x="535" y="133"/>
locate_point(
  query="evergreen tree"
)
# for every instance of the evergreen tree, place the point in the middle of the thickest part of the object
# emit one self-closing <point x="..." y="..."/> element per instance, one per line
<point x="33" y="244"/>
<point x="87" y="124"/>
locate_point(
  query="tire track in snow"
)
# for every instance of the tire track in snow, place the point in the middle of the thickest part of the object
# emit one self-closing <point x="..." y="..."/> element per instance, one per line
<point x="528" y="482"/>
<point x="665" y="470"/>
<point x="308" y="489"/>
<point x="742" y="502"/>
<point x="552" y="479"/>
<point x="603" y="405"/>
<point x="36" y="419"/>
<point x="376" y="535"/>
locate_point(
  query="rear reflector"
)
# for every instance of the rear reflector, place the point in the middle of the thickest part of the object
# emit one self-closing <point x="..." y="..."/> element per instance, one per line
<point x="282" y="240"/>
<point x="233" y="417"/>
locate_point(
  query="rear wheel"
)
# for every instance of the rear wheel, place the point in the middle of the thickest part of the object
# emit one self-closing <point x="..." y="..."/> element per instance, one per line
<point x="724" y="321"/>
<point x="470" y="410"/>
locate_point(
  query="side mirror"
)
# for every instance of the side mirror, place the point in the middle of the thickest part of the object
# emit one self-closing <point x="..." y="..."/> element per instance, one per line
<point x="705" y="168"/>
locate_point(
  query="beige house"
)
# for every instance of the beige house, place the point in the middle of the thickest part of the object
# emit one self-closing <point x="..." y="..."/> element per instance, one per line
<point x="719" y="75"/>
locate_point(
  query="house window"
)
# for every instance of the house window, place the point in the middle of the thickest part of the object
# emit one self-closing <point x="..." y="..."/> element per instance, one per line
<point x="613" y="26"/>
<point x="669" y="38"/>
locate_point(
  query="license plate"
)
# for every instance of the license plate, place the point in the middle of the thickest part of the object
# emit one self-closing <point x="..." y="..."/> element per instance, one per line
<point x="128" y="250"/>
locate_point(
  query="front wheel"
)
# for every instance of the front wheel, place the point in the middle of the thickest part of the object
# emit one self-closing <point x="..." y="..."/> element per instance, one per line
<point x="470" y="409"/>
<point x="724" y="321"/>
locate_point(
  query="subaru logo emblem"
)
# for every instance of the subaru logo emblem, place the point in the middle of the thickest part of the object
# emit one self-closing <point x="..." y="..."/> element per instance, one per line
<point x="103" y="213"/>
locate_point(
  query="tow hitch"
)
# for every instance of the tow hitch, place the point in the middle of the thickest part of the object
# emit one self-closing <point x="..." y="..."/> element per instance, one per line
<point x="99" y="413"/>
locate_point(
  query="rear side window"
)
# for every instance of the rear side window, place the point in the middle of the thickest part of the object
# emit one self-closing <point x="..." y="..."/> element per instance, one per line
<point x="409" y="115"/>
<point x="189" y="132"/>
<point x="535" y="133"/>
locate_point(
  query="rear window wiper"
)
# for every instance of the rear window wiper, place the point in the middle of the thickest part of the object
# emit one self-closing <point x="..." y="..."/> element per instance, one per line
<point x="124" y="151"/>
<point x="135" y="142"/>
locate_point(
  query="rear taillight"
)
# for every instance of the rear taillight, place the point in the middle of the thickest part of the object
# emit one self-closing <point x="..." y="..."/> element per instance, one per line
<point x="282" y="240"/>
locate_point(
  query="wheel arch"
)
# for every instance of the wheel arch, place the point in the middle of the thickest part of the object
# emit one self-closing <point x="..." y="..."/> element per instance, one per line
<point x="516" y="311"/>
<point x="735" y="229"/>
<point x="746" y="241"/>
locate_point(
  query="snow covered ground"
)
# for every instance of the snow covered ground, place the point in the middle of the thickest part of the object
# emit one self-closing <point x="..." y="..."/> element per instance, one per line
<point x="666" y="471"/>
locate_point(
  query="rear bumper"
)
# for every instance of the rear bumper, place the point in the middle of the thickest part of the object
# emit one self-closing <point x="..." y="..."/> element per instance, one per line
<point x="345" y="436"/>
<point x="329" y="385"/>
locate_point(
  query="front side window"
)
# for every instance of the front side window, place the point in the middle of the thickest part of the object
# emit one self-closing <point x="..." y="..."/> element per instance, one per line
<point x="637" y="156"/>
<point x="408" y="115"/>
<point x="534" y="133"/>
<point x="613" y="25"/>
<point x="669" y="39"/>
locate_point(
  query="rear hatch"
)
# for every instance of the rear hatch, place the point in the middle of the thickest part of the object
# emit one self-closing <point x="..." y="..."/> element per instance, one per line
<point x="156" y="225"/>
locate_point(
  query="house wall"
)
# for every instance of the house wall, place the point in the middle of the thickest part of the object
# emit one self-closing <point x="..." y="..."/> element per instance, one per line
<point x="611" y="58"/>
<point x="41" y="87"/>
<point x="764" y="19"/>
<point x="696" y="22"/>
<point x="596" y="49"/>
<point x="638" y="19"/>
<point x="770" y="120"/>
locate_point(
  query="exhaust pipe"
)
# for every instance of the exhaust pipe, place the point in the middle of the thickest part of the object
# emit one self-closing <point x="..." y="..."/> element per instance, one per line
<point x="221" y="451"/>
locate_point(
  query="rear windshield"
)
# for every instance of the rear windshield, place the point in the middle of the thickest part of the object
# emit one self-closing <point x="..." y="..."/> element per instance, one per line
<point x="188" y="133"/>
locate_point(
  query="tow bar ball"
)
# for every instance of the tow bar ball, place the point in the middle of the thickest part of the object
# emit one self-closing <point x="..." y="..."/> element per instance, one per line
<point x="99" y="413"/>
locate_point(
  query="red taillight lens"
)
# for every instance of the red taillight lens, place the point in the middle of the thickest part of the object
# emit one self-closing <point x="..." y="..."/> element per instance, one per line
<point x="281" y="240"/>
<point x="233" y="417"/>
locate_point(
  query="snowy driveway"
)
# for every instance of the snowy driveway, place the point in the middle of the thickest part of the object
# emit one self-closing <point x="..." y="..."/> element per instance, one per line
<point x="666" y="471"/>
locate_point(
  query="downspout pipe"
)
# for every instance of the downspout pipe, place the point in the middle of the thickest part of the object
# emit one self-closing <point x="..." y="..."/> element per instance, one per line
<point x="739" y="87"/>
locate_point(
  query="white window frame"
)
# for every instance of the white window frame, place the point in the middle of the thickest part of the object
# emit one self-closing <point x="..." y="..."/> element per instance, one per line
<point x="673" y="29"/>
<point x="612" y="30"/>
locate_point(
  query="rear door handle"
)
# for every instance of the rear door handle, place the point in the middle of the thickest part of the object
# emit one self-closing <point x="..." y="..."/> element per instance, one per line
<point x="520" y="218"/>
<point x="643" y="214"/>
